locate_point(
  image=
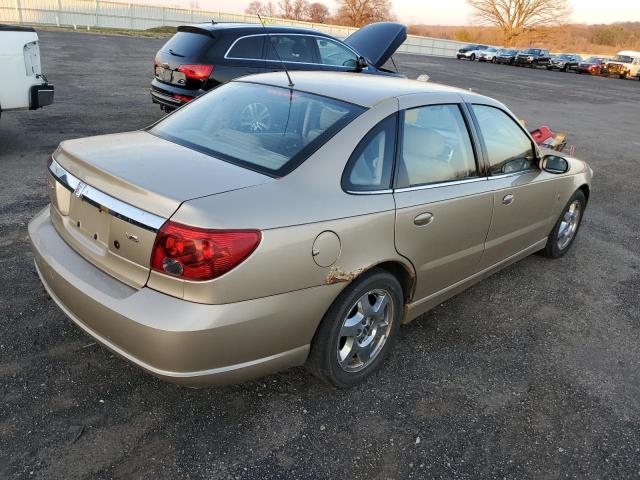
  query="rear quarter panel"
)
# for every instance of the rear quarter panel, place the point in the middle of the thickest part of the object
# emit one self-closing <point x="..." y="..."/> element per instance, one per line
<point x="291" y="212"/>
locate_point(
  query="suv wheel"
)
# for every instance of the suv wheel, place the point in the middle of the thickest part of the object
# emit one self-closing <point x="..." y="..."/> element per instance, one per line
<point x="358" y="330"/>
<point x="472" y="57"/>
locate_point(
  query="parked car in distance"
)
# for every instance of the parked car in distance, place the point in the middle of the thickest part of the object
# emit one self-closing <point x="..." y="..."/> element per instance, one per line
<point x="201" y="57"/>
<point x="23" y="85"/>
<point x="471" y="52"/>
<point x="488" y="55"/>
<point x="624" y="64"/>
<point x="506" y="56"/>
<point x="593" y="66"/>
<point x="564" y="62"/>
<point x="168" y="245"/>
<point x="533" y="57"/>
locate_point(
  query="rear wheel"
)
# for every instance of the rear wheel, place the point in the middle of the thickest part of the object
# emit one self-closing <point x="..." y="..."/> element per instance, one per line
<point x="566" y="228"/>
<point x="358" y="330"/>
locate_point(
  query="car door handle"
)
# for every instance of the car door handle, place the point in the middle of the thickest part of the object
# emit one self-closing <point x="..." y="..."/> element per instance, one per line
<point x="508" y="199"/>
<point x="423" y="219"/>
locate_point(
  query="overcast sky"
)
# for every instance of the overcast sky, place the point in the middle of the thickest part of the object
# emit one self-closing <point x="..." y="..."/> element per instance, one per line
<point x="454" y="12"/>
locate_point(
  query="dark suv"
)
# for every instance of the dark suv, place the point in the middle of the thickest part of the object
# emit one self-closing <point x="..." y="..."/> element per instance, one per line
<point x="201" y="57"/>
<point x="533" y="57"/>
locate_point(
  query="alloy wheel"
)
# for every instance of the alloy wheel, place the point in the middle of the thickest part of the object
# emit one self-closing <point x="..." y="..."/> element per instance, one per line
<point x="569" y="225"/>
<point x="365" y="330"/>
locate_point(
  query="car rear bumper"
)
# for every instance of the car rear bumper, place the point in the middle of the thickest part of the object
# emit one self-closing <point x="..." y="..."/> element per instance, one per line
<point x="163" y="94"/>
<point x="176" y="340"/>
<point x="40" y="96"/>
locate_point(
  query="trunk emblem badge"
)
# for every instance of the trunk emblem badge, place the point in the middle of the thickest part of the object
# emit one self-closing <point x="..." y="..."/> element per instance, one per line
<point x="132" y="237"/>
<point x="80" y="189"/>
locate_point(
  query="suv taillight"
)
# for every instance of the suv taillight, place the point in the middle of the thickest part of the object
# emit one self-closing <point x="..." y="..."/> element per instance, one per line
<point x="196" y="72"/>
<point x="199" y="254"/>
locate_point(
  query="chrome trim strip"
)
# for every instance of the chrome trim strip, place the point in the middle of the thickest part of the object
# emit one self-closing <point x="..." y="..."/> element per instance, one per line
<point x="507" y="175"/>
<point x="369" y="192"/>
<point x="104" y="202"/>
<point x="227" y="57"/>
<point x="440" y="185"/>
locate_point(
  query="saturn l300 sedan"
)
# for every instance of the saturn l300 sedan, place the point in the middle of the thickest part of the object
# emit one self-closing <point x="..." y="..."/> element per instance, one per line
<point x="265" y="226"/>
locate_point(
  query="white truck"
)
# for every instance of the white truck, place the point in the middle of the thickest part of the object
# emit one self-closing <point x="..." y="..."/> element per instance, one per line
<point x="22" y="84"/>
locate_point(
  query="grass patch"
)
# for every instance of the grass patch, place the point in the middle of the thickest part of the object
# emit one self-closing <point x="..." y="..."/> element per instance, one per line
<point x="156" y="32"/>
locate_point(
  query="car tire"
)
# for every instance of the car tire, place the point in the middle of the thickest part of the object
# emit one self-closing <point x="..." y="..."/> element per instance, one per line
<point x="332" y="357"/>
<point x="623" y="76"/>
<point x="472" y="57"/>
<point x="494" y="61"/>
<point x="549" y="68"/>
<point x="566" y="228"/>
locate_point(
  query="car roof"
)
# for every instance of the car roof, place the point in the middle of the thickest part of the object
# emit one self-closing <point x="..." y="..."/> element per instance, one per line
<point x="357" y="88"/>
<point x="216" y="27"/>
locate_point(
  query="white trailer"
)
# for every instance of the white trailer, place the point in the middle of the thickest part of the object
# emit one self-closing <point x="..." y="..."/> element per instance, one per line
<point x="22" y="84"/>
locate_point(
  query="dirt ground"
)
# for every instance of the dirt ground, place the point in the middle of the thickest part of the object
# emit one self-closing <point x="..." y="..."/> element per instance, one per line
<point x="534" y="373"/>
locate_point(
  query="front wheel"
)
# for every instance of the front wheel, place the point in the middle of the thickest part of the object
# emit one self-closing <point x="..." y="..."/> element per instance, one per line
<point x="472" y="57"/>
<point x="358" y="330"/>
<point x="566" y="228"/>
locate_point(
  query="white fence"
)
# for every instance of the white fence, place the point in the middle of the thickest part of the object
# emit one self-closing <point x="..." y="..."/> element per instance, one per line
<point x="110" y="14"/>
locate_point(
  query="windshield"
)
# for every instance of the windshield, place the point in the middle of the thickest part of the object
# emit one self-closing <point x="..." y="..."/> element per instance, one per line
<point x="622" y="59"/>
<point x="260" y="127"/>
<point x="533" y="51"/>
<point x="510" y="52"/>
<point x="593" y="60"/>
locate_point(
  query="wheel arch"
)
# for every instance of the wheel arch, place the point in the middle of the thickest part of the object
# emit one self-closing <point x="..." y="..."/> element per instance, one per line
<point x="586" y="190"/>
<point x="405" y="275"/>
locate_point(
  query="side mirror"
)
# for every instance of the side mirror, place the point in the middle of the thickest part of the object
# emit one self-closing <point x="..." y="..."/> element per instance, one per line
<point x="554" y="164"/>
<point x="362" y="63"/>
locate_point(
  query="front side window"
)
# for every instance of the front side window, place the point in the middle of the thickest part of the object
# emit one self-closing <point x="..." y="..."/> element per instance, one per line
<point x="292" y="48"/>
<point x="509" y="149"/>
<point x="371" y="164"/>
<point x="334" y="53"/>
<point x="436" y="146"/>
<point x="268" y="129"/>
<point x="248" y="47"/>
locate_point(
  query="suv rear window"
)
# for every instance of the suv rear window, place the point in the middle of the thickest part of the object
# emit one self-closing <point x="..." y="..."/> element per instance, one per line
<point x="268" y="129"/>
<point x="187" y="44"/>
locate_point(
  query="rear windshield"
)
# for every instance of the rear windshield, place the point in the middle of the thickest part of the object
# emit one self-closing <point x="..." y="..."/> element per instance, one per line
<point x="268" y="129"/>
<point x="187" y="44"/>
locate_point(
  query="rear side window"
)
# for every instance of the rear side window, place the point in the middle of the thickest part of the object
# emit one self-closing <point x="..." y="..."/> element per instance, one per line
<point x="248" y="48"/>
<point x="370" y="167"/>
<point x="292" y="48"/>
<point x="436" y="147"/>
<point x="268" y="129"/>
<point x="188" y="44"/>
<point x="334" y="53"/>
<point x="509" y="149"/>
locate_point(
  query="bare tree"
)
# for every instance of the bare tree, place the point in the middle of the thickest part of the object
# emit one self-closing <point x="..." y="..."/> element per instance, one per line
<point x="255" y="8"/>
<point x="317" y="12"/>
<point x="357" y="13"/>
<point x="515" y="17"/>
<point x="270" y="9"/>
<point x="300" y="8"/>
<point x="286" y="8"/>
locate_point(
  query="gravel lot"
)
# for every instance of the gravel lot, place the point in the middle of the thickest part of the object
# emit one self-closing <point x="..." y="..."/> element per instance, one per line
<point x="534" y="373"/>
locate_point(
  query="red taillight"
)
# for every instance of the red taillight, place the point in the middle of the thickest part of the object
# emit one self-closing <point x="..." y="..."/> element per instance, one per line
<point x="198" y="254"/>
<point x="182" y="98"/>
<point x="196" y="72"/>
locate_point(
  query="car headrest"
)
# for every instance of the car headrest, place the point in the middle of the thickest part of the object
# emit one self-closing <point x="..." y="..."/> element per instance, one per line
<point x="423" y="142"/>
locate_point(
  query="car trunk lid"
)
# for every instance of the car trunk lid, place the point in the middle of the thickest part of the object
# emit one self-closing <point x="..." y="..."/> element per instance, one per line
<point x="378" y="41"/>
<point x="112" y="193"/>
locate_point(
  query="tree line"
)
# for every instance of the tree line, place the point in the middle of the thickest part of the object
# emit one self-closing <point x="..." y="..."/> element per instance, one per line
<point x="352" y="13"/>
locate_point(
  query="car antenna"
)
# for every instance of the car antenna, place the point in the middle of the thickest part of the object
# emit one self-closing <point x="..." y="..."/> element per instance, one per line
<point x="291" y="84"/>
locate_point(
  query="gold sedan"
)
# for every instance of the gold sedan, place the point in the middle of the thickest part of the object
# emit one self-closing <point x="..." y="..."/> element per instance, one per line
<point x="265" y="226"/>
